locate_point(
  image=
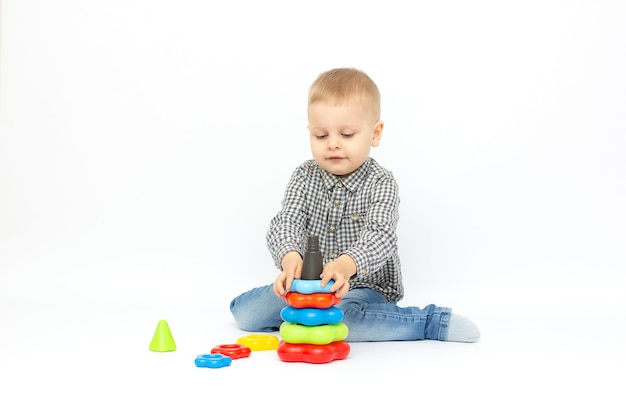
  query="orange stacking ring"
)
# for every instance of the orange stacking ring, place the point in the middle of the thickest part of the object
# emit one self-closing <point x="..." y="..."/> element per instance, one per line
<point x="316" y="300"/>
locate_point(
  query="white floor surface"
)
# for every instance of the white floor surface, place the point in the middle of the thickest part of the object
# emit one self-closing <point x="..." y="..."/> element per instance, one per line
<point x="94" y="359"/>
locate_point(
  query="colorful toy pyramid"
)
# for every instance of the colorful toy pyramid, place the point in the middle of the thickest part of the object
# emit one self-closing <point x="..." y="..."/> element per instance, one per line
<point x="312" y="330"/>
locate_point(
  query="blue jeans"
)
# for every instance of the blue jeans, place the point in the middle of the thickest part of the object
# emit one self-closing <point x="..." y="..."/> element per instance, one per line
<point x="367" y="313"/>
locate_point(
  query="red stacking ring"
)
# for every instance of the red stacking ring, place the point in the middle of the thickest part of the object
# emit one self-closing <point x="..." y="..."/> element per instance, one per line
<point x="233" y="350"/>
<point x="288" y="352"/>
<point x="315" y="300"/>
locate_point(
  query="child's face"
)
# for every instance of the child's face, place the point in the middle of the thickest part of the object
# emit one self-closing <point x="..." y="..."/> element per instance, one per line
<point x="342" y="136"/>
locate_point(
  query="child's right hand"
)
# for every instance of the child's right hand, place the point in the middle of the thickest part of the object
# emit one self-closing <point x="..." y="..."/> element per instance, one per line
<point x="292" y="268"/>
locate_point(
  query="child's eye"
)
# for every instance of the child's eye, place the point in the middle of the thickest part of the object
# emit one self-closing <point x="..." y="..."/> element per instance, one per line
<point x="347" y="135"/>
<point x="321" y="136"/>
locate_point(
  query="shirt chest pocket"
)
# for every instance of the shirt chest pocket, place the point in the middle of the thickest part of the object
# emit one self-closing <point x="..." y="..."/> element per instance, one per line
<point x="356" y="209"/>
<point x="352" y="223"/>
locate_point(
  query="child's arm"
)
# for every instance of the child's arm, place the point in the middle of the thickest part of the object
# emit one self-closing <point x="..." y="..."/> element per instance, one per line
<point x="377" y="239"/>
<point x="340" y="270"/>
<point x="291" y="266"/>
<point x="287" y="229"/>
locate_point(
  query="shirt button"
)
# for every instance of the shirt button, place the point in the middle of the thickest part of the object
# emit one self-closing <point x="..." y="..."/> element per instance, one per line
<point x="332" y="228"/>
<point x="336" y="202"/>
<point x="339" y="184"/>
<point x="363" y="271"/>
<point x="331" y="255"/>
<point x="355" y="217"/>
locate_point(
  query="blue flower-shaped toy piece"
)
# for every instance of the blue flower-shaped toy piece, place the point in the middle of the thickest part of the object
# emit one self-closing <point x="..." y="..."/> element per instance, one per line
<point x="310" y="286"/>
<point x="213" y="360"/>
<point x="312" y="316"/>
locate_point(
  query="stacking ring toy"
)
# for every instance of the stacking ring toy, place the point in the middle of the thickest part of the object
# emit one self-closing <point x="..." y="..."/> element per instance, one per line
<point x="234" y="351"/>
<point x="310" y="286"/>
<point x="316" y="300"/>
<point x="288" y="352"/>
<point x="316" y="335"/>
<point x="259" y="341"/>
<point x="312" y="316"/>
<point x="216" y="360"/>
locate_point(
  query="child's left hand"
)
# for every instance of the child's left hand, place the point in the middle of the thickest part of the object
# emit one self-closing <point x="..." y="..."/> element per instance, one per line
<point x="340" y="270"/>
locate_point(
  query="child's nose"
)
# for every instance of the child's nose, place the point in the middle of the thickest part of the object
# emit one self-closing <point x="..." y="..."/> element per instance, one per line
<point x="333" y="142"/>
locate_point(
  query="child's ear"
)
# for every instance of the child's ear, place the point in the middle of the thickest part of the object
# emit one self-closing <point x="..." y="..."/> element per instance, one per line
<point x="378" y="133"/>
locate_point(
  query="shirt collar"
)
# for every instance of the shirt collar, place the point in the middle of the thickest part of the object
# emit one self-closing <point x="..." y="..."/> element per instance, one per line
<point x="351" y="182"/>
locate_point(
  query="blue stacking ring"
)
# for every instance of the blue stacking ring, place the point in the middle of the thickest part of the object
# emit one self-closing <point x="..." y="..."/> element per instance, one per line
<point x="214" y="360"/>
<point x="310" y="286"/>
<point x="312" y="316"/>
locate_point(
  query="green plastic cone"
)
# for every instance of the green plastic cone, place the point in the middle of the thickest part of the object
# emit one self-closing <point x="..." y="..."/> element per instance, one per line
<point x="162" y="340"/>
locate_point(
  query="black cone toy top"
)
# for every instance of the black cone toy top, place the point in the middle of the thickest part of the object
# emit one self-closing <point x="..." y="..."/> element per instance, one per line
<point x="312" y="263"/>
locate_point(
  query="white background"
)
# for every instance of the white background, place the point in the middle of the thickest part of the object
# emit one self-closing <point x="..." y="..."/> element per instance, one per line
<point x="145" y="145"/>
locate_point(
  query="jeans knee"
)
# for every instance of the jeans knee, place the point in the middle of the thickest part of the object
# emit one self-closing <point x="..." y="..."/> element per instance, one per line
<point x="239" y="315"/>
<point x="233" y="305"/>
<point x="255" y="314"/>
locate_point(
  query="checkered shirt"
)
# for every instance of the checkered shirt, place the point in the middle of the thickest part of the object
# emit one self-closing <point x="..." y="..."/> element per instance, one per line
<point x="356" y="215"/>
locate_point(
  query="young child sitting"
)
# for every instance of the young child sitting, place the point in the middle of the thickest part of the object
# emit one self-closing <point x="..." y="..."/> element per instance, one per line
<point x="350" y="202"/>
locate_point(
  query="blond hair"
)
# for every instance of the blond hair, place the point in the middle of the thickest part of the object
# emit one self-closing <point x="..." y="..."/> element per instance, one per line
<point x="340" y="85"/>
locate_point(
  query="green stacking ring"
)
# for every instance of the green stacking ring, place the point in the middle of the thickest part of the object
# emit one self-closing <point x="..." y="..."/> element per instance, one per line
<point x="315" y="335"/>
